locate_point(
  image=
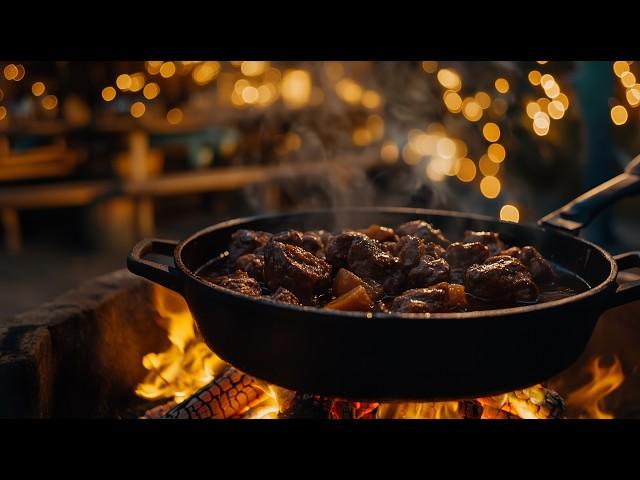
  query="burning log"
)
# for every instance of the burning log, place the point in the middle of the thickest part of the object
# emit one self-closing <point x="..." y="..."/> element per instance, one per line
<point x="470" y="409"/>
<point x="307" y="406"/>
<point x="227" y="396"/>
<point x="344" y="409"/>
<point x="492" y="413"/>
<point x="533" y="402"/>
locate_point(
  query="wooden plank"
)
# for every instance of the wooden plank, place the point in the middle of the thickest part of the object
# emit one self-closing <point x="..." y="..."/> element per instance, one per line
<point x="71" y="194"/>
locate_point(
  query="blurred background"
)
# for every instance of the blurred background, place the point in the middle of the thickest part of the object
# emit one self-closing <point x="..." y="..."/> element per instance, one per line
<point x="96" y="155"/>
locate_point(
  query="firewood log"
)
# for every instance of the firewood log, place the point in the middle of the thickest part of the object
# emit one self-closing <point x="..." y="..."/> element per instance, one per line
<point x="227" y="396"/>
<point x="534" y="402"/>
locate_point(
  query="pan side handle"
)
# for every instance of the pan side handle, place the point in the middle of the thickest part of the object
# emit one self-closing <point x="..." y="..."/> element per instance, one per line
<point x="579" y="212"/>
<point x="630" y="291"/>
<point x="166" y="275"/>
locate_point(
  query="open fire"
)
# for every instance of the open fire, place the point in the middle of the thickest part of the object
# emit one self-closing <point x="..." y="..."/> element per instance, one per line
<point x="198" y="384"/>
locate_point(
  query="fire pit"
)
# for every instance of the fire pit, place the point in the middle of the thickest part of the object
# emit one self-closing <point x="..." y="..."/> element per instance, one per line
<point x="120" y="347"/>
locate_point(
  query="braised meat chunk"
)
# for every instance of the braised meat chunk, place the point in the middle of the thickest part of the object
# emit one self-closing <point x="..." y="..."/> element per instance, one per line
<point x="285" y="296"/>
<point x="239" y="282"/>
<point x="423" y="230"/>
<point x="295" y="269"/>
<point x="491" y="239"/>
<point x="429" y="271"/>
<point x="290" y="237"/>
<point x="367" y="260"/>
<point x="461" y="256"/>
<point x="246" y="241"/>
<point x="534" y="261"/>
<point x="537" y="265"/>
<point x="440" y="298"/>
<point x="252" y="264"/>
<point x="313" y="242"/>
<point x="337" y="248"/>
<point x="501" y="279"/>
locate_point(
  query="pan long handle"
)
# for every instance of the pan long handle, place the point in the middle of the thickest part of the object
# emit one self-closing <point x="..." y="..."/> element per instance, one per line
<point x="630" y="291"/>
<point x="579" y="212"/>
<point x="166" y="275"/>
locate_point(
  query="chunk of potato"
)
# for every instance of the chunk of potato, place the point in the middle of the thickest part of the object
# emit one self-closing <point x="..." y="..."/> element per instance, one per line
<point x="355" y="299"/>
<point x="346" y="280"/>
<point x="380" y="233"/>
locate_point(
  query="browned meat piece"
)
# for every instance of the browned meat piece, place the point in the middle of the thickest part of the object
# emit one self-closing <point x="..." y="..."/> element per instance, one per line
<point x="239" y="282"/>
<point x="423" y="230"/>
<point x="337" y="248"/>
<point x="491" y="239"/>
<point x="246" y="241"/>
<point x="285" y="296"/>
<point x="442" y="298"/>
<point x="382" y="234"/>
<point x="252" y="264"/>
<point x="435" y="250"/>
<point x="540" y="269"/>
<point x="410" y="249"/>
<point x="514" y="252"/>
<point x="295" y="269"/>
<point x="367" y="260"/>
<point x="312" y="241"/>
<point x="390" y="247"/>
<point x="429" y="271"/>
<point x="501" y="279"/>
<point x="460" y="256"/>
<point x="394" y="284"/>
<point x="290" y="237"/>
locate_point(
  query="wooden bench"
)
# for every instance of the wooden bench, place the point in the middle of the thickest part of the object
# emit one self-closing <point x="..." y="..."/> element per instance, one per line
<point x="141" y="192"/>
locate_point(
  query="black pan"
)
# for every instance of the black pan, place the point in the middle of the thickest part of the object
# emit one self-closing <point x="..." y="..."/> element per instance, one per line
<point x="385" y="357"/>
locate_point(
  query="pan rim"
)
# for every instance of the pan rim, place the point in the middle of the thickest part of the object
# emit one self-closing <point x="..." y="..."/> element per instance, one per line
<point x="601" y="287"/>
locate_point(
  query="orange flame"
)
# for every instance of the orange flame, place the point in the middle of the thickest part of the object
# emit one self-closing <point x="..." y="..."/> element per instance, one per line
<point x="589" y="398"/>
<point x="426" y="410"/>
<point x="188" y="364"/>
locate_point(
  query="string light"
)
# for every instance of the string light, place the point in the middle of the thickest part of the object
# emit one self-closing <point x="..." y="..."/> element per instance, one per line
<point x="430" y="67"/>
<point x="502" y="85"/>
<point x="123" y="82"/>
<point x="449" y="79"/>
<point x="38" y="89"/>
<point x="490" y="186"/>
<point x="174" y="116"/>
<point x="509" y="213"/>
<point x="491" y="132"/>
<point x="108" y="93"/>
<point x="467" y="171"/>
<point x="167" y="70"/>
<point x="619" y="115"/>
<point x="496" y="152"/>
<point x="371" y="99"/>
<point x="137" y="109"/>
<point x="151" y="90"/>
<point x="389" y="152"/>
<point x="49" y="102"/>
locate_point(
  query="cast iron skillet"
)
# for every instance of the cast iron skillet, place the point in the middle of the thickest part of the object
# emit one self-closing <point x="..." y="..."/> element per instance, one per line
<point x="387" y="357"/>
